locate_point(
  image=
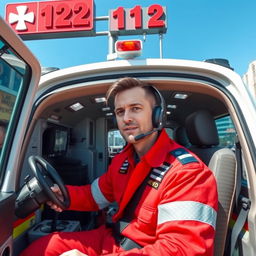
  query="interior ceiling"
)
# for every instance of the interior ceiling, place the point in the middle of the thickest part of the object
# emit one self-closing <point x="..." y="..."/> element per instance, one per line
<point x="194" y="102"/>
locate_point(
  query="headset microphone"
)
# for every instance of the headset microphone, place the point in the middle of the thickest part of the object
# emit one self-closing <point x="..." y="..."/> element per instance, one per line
<point x="143" y="135"/>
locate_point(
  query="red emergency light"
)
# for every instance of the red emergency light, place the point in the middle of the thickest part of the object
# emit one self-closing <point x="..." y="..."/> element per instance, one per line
<point x="128" y="49"/>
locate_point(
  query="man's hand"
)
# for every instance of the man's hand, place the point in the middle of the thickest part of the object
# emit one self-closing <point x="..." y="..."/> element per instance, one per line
<point x="59" y="195"/>
<point x="73" y="252"/>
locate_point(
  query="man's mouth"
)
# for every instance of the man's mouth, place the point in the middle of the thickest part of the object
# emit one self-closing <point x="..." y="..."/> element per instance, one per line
<point x="130" y="129"/>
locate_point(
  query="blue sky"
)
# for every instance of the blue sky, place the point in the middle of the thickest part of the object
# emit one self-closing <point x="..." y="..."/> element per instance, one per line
<point x="197" y="30"/>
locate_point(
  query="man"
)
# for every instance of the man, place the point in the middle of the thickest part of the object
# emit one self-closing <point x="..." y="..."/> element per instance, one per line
<point x="172" y="195"/>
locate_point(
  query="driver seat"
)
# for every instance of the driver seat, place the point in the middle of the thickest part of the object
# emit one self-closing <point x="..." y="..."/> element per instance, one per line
<point x="203" y="135"/>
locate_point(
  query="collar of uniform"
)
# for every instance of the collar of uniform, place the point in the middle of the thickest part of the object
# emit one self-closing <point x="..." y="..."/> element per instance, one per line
<point x="157" y="154"/>
<point x="128" y="151"/>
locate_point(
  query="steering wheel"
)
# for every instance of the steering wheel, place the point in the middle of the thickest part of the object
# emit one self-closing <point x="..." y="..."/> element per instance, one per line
<point x="47" y="176"/>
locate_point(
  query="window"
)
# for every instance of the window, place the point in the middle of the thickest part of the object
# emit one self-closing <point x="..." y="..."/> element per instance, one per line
<point x="115" y="142"/>
<point x="226" y="131"/>
<point x="13" y="72"/>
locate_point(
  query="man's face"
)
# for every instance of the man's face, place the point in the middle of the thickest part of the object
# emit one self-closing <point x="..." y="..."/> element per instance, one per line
<point x="133" y="108"/>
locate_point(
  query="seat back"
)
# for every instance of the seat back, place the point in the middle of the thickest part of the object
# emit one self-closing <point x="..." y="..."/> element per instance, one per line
<point x="202" y="133"/>
<point x="223" y="165"/>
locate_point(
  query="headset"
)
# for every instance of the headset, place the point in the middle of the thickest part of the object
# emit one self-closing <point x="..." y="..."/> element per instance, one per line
<point x="159" y="111"/>
<point x="158" y="115"/>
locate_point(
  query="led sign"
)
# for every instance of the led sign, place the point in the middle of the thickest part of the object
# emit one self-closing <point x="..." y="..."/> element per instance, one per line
<point x="71" y="18"/>
<point x="51" y="19"/>
<point x="138" y="20"/>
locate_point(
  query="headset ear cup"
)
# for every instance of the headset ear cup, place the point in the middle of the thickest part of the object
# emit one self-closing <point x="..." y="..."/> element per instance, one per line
<point x="156" y="116"/>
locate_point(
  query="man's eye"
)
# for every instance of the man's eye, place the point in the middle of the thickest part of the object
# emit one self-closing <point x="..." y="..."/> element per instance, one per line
<point x="119" y="112"/>
<point x="135" y="108"/>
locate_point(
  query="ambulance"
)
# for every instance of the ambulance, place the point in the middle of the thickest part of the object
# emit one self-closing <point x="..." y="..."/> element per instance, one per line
<point x="61" y="118"/>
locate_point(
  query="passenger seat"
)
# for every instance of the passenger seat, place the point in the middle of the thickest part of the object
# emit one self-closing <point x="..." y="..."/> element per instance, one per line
<point x="202" y="134"/>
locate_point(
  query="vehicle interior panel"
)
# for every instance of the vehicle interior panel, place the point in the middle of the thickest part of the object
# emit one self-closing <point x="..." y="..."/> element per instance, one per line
<point x="85" y="155"/>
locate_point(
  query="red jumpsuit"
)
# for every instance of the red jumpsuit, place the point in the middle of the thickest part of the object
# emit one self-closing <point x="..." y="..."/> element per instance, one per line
<point x="176" y="214"/>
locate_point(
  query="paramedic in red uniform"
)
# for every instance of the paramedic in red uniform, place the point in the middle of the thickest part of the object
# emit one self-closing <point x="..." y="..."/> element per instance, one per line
<point x="174" y="208"/>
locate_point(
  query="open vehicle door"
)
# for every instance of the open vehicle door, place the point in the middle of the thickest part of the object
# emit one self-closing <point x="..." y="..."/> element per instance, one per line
<point x="19" y="76"/>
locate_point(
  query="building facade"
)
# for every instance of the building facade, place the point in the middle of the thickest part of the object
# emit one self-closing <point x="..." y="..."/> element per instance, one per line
<point x="226" y="131"/>
<point x="249" y="78"/>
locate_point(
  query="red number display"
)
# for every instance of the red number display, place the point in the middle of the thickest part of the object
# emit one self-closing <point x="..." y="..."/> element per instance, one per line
<point x="136" y="13"/>
<point x="156" y="12"/>
<point x="70" y="18"/>
<point x="47" y="12"/>
<point x="119" y="15"/>
<point x="58" y="17"/>
<point x="82" y="12"/>
<point x="64" y="12"/>
<point x="65" y="15"/>
<point x="138" y="20"/>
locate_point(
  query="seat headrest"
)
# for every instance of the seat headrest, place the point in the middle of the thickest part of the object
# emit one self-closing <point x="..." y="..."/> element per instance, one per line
<point x="201" y="129"/>
<point x="180" y="136"/>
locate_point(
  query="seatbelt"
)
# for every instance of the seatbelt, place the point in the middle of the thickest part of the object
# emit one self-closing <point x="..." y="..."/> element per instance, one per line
<point x="117" y="228"/>
<point x="238" y="169"/>
<point x="246" y="203"/>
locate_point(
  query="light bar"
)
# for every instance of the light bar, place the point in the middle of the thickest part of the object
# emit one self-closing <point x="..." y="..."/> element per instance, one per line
<point x="180" y="96"/>
<point x="76" y="106"/>
<point x="100" y="99"/>
<point x="55" y="117"/>
<point x="106" y="109"/>
<point x="171" y="106"/>
<point x="128" y="49"/>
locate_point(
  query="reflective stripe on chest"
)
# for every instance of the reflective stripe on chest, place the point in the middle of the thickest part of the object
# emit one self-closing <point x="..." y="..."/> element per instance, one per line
<point x="124" y="167"/>
<point x="157" y="174"/>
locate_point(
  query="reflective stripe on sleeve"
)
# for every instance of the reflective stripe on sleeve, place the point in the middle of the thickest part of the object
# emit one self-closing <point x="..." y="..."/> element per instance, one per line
<point x="99" y="198"/>
<point x="186" y="210"/>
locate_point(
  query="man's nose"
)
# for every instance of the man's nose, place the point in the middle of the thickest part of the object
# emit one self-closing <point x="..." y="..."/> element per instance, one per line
<point x="127" y="118"/>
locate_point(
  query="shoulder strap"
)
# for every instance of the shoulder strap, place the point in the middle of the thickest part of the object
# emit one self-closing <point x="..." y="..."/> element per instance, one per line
<point x="239" y="223"/>
<point x="239" y="169"/>
<point x="128" y="214"/>
<point x="119" y="226"/>
<point x="131" y="206"/>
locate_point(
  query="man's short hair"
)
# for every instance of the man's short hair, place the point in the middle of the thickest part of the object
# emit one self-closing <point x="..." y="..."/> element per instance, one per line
<point x="129" y="83"/>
